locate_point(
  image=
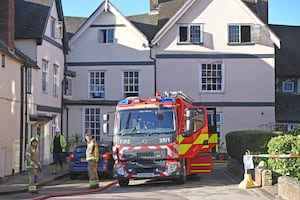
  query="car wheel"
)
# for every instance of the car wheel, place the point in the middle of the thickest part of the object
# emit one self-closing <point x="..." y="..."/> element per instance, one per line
<point x="123" y="182"/>
<point x="73" y="176"/>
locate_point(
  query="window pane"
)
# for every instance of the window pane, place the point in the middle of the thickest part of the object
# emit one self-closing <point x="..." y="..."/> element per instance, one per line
<point x="233" y="35"/>
<point x="195" y="34"/>
<point x="211" y="77"/>
<point x="97" y="85"/>
<point x="131" y="83"/>
<point x="245" y="34"/>
<point x="110" y="37"/>
<point x="183" y="34"/>
<point x="92" y="122"/>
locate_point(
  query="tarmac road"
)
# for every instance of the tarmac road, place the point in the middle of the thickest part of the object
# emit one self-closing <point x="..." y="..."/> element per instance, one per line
<point x="220" y="185"/>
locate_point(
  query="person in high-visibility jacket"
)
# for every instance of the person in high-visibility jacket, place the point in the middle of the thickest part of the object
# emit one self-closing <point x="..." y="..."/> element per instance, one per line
<point x="58" y="149"/>
<point x="33" y="165"/>
<point x="92" y="156"/>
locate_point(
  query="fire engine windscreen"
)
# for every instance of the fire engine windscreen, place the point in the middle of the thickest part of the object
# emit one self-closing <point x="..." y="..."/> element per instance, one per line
<point x="145" y="121"/>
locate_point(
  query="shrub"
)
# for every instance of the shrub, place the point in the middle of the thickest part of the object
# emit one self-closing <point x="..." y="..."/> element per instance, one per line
<point x="286" y="144"/>
<point x="256" y="141"/>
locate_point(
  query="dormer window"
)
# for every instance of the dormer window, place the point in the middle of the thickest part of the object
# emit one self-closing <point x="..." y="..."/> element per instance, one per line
<point x="190" y="33"/>
<point x="3" y="60"/>
<point x="243" y="33"/>
<point x="106" y="36"/>
<point x="56" y="28"/>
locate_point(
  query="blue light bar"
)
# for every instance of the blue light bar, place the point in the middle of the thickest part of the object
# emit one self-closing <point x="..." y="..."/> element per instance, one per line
<point x="164" y="100"/>
<point x="124" y="102"/>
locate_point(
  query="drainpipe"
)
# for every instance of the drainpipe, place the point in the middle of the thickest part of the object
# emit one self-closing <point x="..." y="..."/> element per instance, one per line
<point x="26" y="107"/>
<point x="61" y="104"/>
<point x="155" y="73"/>
<point x="21" y="119"/>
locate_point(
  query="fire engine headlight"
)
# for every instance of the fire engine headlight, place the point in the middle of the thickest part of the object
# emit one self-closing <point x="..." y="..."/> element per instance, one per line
<point x="120" y="169"/>
<point x="172" y="167"/>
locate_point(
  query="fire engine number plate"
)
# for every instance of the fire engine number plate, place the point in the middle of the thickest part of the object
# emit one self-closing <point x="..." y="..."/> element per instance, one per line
<point x="145" y="175"/>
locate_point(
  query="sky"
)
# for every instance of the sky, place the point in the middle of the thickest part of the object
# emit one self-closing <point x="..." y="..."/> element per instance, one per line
<point x="283" y="12"/>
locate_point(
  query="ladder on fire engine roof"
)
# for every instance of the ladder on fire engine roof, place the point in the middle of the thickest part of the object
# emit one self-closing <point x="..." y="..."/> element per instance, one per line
<point x="180" y="94"/>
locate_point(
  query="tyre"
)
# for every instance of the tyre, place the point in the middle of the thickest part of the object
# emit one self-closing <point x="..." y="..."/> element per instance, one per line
<point x="182" y="177"/>
<point x="123" y="182"/>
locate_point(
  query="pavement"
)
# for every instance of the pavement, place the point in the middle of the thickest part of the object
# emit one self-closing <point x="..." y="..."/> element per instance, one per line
<point x="18" y="183"/>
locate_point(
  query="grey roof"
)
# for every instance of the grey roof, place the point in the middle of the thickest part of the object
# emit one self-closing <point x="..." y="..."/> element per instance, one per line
<point x="73" y="24"/>
<point x="288" y="56"/>
<point x="18" y="55"/>
<point x="287" y="60"/>
<point x="30" y="18"/>
<point x="150" y="24"/>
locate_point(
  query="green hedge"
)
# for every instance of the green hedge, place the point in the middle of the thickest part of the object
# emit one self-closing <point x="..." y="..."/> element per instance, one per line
<point x="286" y="144"/>
<point x="237" y="142"/>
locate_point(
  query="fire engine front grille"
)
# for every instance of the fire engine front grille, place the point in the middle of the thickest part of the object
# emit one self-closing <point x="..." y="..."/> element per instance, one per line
<point x="153" y="154"/>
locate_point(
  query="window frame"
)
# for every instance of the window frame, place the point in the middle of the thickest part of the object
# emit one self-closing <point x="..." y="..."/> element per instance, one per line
<point x="68" y="86"/>
<point x="2" y="60"/>
<point x="53" y="26"/>
<point x="55" y="80"/>
<point x="210" y="76"/>
<point x="284" y="83"/>
<point x="93" y="124"/>
<point x="92" y="93"/>
<point x="132" y="83"/>
<point x="238" y="39"/>
<point x="189" y="33"/>
<point x="106" y="36"/>
<point x="29" y="80"/>
<point x="45" y="76"/>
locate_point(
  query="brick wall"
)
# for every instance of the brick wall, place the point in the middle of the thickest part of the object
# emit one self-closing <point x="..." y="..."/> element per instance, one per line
<point x="7" y="22"/>
<point x="288" y="188"/>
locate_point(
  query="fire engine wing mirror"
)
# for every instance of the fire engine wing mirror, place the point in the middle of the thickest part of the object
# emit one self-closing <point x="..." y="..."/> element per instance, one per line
<point x="105" y="128"/>
<point x="160" y="114"/>
<point x="105" y="118"/>
<point x="189" y="123"/>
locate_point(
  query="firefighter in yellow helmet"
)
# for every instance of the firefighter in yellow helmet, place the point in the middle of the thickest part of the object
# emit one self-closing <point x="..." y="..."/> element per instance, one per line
<point x="92" y="156"/>
<point x="33" y="165"/>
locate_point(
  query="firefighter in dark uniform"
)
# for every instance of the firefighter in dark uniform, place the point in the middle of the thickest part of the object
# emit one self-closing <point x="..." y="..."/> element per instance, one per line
<point x="33" y="165"/>
<point x="92" y="156"/>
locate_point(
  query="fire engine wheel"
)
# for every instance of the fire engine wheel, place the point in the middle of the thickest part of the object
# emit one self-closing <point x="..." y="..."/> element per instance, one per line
<point x="183" y="175"/>
<point x="123" y="182"/>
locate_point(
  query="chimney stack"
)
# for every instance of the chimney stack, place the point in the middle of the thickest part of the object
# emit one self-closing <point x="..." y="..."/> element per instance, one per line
<point x="7" y="22"/>
<point x="154" y="6"/>
<point x="262" y="10"/>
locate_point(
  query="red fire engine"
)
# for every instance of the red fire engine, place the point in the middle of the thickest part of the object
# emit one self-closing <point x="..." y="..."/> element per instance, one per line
<point x="161" y="137"/>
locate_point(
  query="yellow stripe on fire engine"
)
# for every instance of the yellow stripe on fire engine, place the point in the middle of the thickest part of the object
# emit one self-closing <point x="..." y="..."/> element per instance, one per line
<point x="201" y="171"/>
<point x="200" y="139"/>
<point x="213" y="138"/>
<point x="183" y="148"/>
<point x="201" y="165"/>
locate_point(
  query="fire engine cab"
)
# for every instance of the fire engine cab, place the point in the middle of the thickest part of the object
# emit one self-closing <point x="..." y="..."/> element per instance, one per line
<point x="163" y="136"/>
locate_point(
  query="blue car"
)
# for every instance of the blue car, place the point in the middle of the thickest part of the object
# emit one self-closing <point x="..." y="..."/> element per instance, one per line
<point x="78" y="164"/>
